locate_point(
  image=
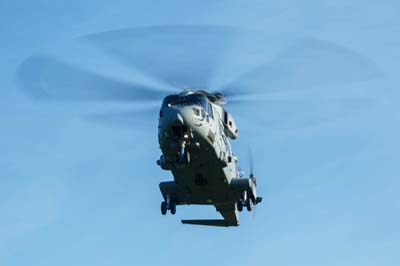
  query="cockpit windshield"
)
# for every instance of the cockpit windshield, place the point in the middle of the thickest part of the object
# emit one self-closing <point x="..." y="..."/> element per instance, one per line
<point x="191" y="99"/>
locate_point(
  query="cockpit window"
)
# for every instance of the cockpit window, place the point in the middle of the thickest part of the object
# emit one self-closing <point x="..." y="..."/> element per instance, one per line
<point x="190" y="99"/>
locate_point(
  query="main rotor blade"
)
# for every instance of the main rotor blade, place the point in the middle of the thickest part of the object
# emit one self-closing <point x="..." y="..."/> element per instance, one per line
<point x="127" y="118"/>
<point x="184" y="56"/>
<point x="45" y="77"/>
<point x="295" y="115"/>
<point x="310" y="63"/>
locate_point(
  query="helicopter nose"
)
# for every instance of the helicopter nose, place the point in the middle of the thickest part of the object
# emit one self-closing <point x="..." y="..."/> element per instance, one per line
<point x="173" y="116"/>
<point x="174" y="121"/>
<point x="184" y="116"/>
<point x="170" y="116"/>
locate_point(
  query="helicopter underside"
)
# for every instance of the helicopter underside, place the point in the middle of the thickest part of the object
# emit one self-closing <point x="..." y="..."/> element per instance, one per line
<point x="203" y="175"/>
<point x="198" y="170"/>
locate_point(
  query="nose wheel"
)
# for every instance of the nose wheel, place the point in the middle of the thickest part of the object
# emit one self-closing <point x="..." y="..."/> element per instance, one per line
<point x="185" y="157"/>
<point x="183" y="154"/>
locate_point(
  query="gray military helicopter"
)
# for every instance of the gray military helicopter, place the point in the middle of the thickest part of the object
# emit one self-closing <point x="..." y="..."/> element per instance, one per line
<point x="194" y="126"/>
<point x="193" y="133"/>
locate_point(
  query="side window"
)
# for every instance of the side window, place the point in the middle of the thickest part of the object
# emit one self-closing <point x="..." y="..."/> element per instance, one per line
<point x="226" y="117"/>
<point x="210" y="110"/>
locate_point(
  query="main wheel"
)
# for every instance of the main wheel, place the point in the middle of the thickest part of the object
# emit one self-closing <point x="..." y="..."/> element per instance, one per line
<point x="163" y="208"/>
<point x="240" y="205"/>
<point x="249" y="205"/>
<point x="172" y="208"/>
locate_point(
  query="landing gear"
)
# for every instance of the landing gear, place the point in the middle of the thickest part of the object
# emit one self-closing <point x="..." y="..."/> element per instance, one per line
<point x="183" y="154"/>
<point x="185" y="157"/>
<point x="240" y="205"/>
<point x="249" y="204"/>
<point x="168" y="204"/>
<point x="172" y="208"/>
<point x="164" y="208"/>
<point x="247" y="201"/>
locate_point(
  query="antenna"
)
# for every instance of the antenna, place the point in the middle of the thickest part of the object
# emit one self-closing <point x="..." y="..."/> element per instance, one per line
<point x="251" y="162"/>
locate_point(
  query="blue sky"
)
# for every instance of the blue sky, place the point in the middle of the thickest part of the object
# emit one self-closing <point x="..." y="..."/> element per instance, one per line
<point x="324" y="134"/>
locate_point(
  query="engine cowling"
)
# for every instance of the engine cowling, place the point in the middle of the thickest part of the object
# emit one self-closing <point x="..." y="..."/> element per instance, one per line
<point x="231" y="129"/>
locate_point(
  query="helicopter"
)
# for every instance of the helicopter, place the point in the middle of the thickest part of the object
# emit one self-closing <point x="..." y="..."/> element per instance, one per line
<point x="194" y="126"/>
<point x="193" y="132"/>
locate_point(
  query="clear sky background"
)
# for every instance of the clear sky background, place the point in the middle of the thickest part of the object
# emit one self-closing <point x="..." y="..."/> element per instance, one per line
<point x="324" y="134"/>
